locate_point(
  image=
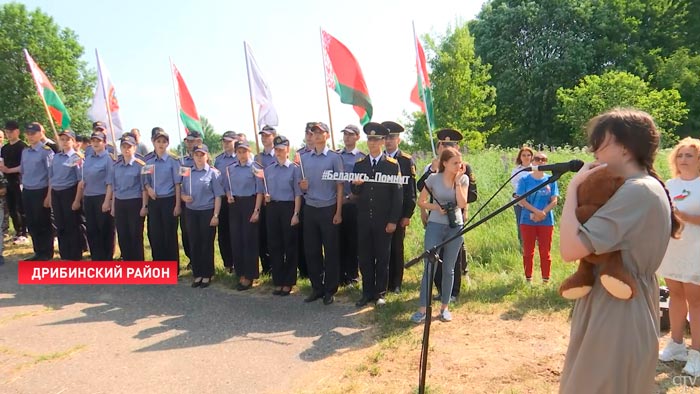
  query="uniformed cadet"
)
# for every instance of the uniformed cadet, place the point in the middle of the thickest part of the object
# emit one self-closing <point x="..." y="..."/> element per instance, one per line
<point x="265" y="158"/>
<point x="34" y="171"/>
<point x="202" y="194"/>
<point x="283" y="205"/>
<point x="379" y="211"/>
<point x="308" y="147"/>
<point x="244" y="192"/>
<point x="447" y="138"/>
<point x="222" y="162"/>
<point x="66" y="198"/>
<point x="125" y="187"/>
<point x="193" y="138"/>
<point x="408" y="168"/>
<point x="162" y="183"/>
<point x="348" y="228"/>
<point x="322" y="215"/>
<point x="136" y="153"/>
<point x="101" y="126"/>
<point x="97" y="169"/>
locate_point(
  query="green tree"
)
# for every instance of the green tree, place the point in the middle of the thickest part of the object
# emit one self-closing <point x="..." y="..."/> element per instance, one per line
<point x="599" y="93"/>
<point x="681" y="71"/>
<point x="57" y="52"/>
<point x="210" y="138"/>
<point x="462" y="97"/>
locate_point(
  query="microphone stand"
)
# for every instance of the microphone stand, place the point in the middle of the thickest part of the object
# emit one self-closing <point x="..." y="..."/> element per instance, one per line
<point x="432" y="257"/>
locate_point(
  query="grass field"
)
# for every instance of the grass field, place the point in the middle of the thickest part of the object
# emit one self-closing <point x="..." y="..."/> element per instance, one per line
<point x="506" y="336"/>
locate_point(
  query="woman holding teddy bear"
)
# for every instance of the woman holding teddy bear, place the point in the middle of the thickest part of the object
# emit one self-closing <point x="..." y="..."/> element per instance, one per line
<point x="614" y="344"/>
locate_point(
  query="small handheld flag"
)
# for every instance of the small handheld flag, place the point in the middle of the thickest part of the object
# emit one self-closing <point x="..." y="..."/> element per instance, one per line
<point x="185" y="171"/>
<point x="147" y="169"/>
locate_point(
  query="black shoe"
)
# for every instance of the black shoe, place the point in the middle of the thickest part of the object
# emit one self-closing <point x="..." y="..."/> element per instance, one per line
<point x="242" y="287"/>
<point x="277" y="292"/>
<point x="313" y="297"/>
<point x="229" y="270"/>
<point x="205" y="284"/>
<point x="328" y="299"/>
<point x="197" y="283"/>
<point x="285" y="293"/>
<point x="363" y="301"/>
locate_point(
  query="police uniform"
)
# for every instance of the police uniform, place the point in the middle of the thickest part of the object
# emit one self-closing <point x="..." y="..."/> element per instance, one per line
<point x="64" y="175"/>
<point x="320" y="234"/>
<point x="205" y="188"/>
<point x="126" y="181"/>
<point x="303" y="269"/>
<point x="378" y="204"/>
<point x="247" y="191"/>
<point x="449" y="136"/>
<point x="34" y="171"/>
<point x="285" y="201"/>
<point x="265" y="158"/>
<point x="164" y="179"/>
<point x="348" y="228"/>
<point x="221" y="162"/>
<point x="408" y="168"/>
<point x="186" y="161"/>
<point x="97" y="169"/>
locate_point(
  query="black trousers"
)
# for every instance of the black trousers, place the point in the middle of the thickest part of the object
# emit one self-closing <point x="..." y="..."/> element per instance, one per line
<point x="396" y="260"/>
<point x="39" y="222"/>
<point x="374" y="249"/>
<point x="460" y="268"/>
<point x="68" y="224"/>
<point x="321" y="247"/>
<point x="244" y="237"/>
<point x="183" y="234"/>
<point x="303" y="269"/>
<point x="225" y="235"/>
<point x="263" y="247"/>
<point x="282" y="241"/>
<point x="348" y="245"/>
<point x="201" y="237"/>
<point x="14" y="204"/>
<point x="163" y="230"/>
<point x="129" y="228"/>
<point x="100" y="229"/>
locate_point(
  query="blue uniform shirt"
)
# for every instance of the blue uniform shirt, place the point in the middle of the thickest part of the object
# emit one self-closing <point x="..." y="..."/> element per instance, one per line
<point x="283" y="181"/>
<point x="204" y="186"/>
<point x="539" y="199"/>
<point x="243" y="181"/>
<point x="65" y="170"/>
<point x="266" y="158"/>
<point x="166" y="174"/>
<point x="221" y="162"/>
<point x="349" y="159"/>
<point x="126" y="179"/>
<point x="35" y="162"/>
<point x="320" y="193"/>
<point x="97" y="169"/>
<point x="188" y="161"/>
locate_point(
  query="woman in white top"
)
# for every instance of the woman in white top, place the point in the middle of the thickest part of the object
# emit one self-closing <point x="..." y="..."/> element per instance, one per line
<point x="680" y="266"/>
<point x="523" y="160"/>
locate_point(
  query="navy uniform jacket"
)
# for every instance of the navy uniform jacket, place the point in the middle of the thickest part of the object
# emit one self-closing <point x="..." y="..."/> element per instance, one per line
<point x="408" y="167"/>
<point x="378" y="202"/>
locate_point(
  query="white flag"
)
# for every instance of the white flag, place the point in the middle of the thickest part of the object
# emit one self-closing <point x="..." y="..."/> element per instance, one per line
<point x="267" y="114"/>
<point x="98" y="110"/>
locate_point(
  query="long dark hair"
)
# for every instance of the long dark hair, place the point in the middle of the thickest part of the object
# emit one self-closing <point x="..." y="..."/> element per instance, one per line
<point x="636" y="131"/>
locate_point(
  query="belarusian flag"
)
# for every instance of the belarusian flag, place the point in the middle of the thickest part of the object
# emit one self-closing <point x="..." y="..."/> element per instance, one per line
<point x="343" y="75"/>
<point x="188" y="112"/>
<point x="48" y="94"/>
<point x="421" y="94"/>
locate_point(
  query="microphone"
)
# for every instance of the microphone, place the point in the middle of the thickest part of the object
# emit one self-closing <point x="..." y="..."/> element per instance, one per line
<point x="560" y="168"/>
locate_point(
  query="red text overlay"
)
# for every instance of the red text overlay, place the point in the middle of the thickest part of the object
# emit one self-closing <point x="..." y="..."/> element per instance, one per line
<point x="97" y="273"/>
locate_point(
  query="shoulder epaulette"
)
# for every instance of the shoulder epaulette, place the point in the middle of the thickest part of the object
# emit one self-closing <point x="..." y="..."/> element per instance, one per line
<point x="359" y="159"/>
<point x="79" y="154"/>
<point x="219" y="155"/>
<point x="406" y="155"/>
<point x="137" y="160"/>
<point x="47" y="147"/>
<point x="215" y="170"/>
<point x="174" y="156"/>
<point x="391" y="160"/>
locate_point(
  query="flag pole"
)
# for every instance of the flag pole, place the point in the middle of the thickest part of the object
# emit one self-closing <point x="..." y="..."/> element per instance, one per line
<point x="250" y="93"/>
<point x="109" y="109"/>
<point x="419" y="70"/>
<point x="43" y="101"/>
<point x="328" y="100"/>
<point x="177" y="112"/>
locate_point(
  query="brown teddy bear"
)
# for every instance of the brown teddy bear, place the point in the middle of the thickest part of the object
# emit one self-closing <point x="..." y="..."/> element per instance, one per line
<point x="592" y="194"/>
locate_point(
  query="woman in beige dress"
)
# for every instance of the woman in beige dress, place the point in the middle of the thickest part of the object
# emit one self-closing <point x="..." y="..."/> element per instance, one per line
<point x="614" y="344"/>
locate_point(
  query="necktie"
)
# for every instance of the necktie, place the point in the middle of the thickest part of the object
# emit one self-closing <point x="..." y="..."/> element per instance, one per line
<point x="374" y="162"/>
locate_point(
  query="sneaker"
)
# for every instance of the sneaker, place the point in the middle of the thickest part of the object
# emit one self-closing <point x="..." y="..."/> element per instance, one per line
<point x="21" y="240"/>
<point x="445" y="315"/>
<point x="418" y="317"/>
<point x="692" y="367"/>
<point x="674" y="352"/>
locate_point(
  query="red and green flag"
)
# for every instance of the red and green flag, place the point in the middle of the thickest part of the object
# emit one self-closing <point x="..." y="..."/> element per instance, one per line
<point x="48" y="94"/>
<point x="343" y="75"/>
<point x="421" y="94"/>
<point x="188" y="112"/>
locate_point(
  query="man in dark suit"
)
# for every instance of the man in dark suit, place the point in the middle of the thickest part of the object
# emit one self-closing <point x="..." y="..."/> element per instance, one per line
<point x="408" y="168"/>
<point x="378" y="214"/>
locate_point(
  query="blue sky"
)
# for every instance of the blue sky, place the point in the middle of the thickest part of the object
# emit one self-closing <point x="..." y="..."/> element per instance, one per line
<point x="205" y="40"/>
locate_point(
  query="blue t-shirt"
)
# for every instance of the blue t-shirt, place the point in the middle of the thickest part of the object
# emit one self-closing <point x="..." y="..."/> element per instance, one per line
<point x="539" y="200"/>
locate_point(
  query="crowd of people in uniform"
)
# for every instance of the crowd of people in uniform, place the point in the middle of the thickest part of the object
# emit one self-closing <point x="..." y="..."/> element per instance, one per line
<point x="273" y="215"/>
